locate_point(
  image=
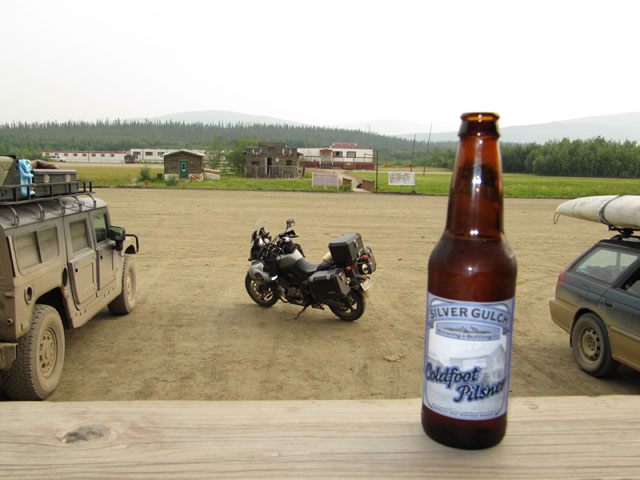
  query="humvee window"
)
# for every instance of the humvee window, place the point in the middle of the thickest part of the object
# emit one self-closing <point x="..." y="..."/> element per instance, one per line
<point x="79" y="239"/>
<point x="48" y="242"/>
<point x="27" y="250"/>
<point x="36" y="247"/>
<point x="100" y="226"/>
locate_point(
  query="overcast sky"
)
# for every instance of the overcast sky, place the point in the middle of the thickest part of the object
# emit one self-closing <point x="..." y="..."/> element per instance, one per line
<point x="322" y="62"/>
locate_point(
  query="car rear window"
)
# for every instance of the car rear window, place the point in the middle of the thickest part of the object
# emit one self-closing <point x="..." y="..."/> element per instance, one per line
<point x="604" y="264"/>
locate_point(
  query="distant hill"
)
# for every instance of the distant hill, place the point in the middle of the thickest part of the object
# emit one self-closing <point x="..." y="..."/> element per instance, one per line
<point x="214" y="117"/>
<point x="621" y="127"/>
<point x="386" y="127"/>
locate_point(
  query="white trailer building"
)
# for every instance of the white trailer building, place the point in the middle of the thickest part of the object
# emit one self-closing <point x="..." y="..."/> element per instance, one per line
<point x="340" y="156"/>
<point x="84" y="156"/>
<point x="133" y="155"/>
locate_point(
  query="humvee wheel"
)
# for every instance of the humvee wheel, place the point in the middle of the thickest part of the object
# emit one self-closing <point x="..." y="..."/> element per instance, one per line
<point x="36" y="372"/>
<point x="125" y="302"/>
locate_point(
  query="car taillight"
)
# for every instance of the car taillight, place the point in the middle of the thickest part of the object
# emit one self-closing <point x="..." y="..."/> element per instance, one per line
<point x="561" y="278"/>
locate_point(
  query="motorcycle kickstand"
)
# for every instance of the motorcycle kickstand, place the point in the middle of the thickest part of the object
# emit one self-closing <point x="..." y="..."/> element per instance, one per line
<point x="301" y="311"/>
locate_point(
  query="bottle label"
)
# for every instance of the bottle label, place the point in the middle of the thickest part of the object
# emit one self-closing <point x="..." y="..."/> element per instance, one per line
<point x="467" y="358"/>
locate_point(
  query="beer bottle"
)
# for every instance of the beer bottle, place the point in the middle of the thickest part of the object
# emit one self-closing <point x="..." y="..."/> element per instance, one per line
<point x="470" y="300"/>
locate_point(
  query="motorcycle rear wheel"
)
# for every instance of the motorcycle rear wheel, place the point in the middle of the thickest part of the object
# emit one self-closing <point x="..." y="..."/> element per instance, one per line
<point x="353" y="309"/>
<point x="263" y="294"/>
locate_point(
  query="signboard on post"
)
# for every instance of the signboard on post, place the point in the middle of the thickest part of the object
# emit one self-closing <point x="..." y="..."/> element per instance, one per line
<point x="402" y="178"/>
<point x="324" y="179"/>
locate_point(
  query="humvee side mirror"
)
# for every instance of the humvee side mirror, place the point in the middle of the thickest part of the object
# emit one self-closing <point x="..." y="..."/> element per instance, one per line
<point x="117" y="234"/>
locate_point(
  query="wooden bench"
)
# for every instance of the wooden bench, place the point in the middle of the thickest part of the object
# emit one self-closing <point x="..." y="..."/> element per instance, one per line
<point x="547" y="437"/>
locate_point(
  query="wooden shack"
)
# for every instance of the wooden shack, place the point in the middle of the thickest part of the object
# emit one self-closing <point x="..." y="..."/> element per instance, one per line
<point x="271" y="160"/>
<point x="185" y="165"/>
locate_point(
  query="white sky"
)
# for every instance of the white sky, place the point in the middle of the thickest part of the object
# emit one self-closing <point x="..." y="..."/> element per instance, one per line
<point x="320" y="62"/>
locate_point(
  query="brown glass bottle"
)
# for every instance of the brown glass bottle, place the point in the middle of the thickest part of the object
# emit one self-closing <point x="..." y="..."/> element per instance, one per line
<point x="470" y="293"/>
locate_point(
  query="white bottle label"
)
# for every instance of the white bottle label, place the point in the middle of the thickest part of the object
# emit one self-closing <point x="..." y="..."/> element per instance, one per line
<point x="467" y="358"/>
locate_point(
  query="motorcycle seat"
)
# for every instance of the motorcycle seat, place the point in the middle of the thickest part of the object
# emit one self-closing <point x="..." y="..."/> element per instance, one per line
<point x="305" y="266"/>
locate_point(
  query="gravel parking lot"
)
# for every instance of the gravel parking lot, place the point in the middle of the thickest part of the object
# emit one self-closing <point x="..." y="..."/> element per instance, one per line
<point x="195" y="333"/>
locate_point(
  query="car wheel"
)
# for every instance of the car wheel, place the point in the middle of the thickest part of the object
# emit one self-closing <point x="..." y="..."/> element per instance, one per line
<point x="591" y="348"/>
<point x="36" y="372"/>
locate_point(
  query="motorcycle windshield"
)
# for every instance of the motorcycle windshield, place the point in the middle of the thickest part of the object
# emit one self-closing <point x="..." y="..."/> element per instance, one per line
<point x="260" y="224"/>
<point x="260" y="232"/>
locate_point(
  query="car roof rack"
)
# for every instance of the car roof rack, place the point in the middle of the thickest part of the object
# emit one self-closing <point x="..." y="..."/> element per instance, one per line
<point x="623" y="233"/>
<point x="20" y="183"/>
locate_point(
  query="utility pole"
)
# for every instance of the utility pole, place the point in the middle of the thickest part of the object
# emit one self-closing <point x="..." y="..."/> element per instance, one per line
<point x="377" y="154"/>
<point x="426" y="155"/>
<point x="412" y="152"/>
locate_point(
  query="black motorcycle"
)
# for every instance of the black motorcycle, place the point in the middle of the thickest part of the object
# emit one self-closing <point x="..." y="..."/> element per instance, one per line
<point x="280" y="271"/>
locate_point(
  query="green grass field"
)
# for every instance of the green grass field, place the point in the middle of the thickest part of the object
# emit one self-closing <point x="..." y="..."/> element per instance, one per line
<point x="521" y="185"/>
<point x="434" y="182"/>
<point x="113" y="176"/>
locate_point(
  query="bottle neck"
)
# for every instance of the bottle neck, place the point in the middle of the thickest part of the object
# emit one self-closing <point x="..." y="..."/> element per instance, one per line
<point x="475" y="199"/>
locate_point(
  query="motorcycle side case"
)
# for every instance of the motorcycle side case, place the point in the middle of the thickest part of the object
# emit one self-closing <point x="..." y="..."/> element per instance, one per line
<point x="346" y="249"/>
<point x="328" y="284"/>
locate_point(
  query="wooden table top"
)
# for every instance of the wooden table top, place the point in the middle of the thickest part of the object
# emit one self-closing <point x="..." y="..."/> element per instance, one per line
<point x="547" y="438"/>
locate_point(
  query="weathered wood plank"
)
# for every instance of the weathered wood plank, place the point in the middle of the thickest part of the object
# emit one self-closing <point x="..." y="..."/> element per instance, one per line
<point x="548" y="437"/>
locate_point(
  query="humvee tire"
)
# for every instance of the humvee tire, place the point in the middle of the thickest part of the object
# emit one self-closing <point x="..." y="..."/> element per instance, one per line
<point x="125" y="302"/>
<point x="37" y="370"/>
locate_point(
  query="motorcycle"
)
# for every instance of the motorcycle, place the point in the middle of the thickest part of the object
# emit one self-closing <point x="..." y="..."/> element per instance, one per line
<point x="280" y="271"/>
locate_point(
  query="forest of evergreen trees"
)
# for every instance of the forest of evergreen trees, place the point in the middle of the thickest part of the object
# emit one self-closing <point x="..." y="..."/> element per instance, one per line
<point x="28" y="139"/>
<point x="578" y="158"/>
<point x="586" y="158"/>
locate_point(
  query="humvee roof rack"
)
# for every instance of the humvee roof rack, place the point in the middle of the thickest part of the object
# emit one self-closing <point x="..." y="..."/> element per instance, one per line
<point x="19" y="186"/>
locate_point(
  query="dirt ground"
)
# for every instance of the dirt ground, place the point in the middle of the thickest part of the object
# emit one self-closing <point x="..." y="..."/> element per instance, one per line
<point x="196" y="335"/>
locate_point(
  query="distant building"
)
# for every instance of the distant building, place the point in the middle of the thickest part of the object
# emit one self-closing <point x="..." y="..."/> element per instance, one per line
<point x="271" y="160"/>
<point x="345" y="156"/>
<point x="133" y="155"/>
<point x="84" y="156"/>
<point x="144" y="155"/>
<point x="186" y="165"/>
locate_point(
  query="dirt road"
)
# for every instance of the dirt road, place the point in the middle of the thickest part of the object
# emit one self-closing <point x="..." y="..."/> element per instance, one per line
<point x="195" y="334"/>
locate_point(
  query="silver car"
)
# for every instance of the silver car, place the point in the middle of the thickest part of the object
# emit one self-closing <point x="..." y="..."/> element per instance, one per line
<point x="597" y="302"/>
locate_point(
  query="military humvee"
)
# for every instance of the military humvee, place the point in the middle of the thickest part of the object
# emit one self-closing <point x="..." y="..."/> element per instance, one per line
<point x="61" y="262"/>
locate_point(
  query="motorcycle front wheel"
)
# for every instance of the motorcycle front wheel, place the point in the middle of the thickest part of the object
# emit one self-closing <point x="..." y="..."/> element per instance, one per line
<point x="353" y="307"/>
<point x="263" y="294"/>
